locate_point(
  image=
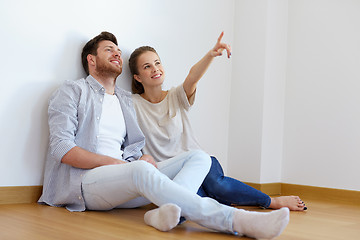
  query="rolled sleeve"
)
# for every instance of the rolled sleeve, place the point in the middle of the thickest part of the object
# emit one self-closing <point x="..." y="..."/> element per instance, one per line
<point x="63" y="110"/>
<point x="62" y="148"/>
<point x="183" y="99"/>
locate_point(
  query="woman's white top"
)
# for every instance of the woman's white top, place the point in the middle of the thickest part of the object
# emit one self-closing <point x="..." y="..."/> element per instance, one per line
<point x="112" y="128"/>
<point x="166" y="124"/>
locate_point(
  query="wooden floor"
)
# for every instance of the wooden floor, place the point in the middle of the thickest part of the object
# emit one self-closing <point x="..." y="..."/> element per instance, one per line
<point x="323" y="220"/>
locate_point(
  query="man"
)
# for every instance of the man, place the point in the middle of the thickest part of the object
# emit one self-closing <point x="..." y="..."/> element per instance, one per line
<point x="95" y="162"/>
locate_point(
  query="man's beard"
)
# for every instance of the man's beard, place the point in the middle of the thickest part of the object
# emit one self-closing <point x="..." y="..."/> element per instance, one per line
<point x="104" y="69"/>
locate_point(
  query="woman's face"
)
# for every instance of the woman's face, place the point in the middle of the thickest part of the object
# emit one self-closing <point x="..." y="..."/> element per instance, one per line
<point x="150" y="69"/>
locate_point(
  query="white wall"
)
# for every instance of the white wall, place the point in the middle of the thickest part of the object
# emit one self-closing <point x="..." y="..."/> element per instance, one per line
<point x="292" y="84"/>
<point x="322" y="116"/>
<point x="274" y="91"/>
<point x="295" y="93"/>
<point x="247" y="90"/>
<point x="41" y="45"/>
<point x="258" y="91"/>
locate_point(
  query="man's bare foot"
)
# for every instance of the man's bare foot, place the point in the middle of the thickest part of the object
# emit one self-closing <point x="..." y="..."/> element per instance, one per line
<point x="294" y="203"/>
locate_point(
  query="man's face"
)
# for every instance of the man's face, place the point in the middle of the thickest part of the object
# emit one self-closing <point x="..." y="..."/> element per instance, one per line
<point x="108" y="59"/>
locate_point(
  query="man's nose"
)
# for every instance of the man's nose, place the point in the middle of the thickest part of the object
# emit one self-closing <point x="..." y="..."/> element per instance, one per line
<point x="117" y="53"/>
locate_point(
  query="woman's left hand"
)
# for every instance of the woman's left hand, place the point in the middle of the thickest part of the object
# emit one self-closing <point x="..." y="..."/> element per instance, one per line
<point x="220" y="47"/>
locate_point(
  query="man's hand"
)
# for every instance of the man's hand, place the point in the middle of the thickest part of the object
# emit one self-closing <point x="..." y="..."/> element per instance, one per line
<point x="149" y="159"/>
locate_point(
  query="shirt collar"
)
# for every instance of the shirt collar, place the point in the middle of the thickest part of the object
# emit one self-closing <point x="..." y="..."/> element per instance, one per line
<point x="97" y="86"/>
<point x="94" y="84"/>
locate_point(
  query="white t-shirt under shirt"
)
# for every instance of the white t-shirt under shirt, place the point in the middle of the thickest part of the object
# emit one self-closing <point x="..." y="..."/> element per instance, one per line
<point x="112" y="128"/>
<point x="166" y="125"/>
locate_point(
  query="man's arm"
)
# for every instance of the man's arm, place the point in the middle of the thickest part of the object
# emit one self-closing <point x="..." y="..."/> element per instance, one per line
<point x="80" y="158"/>
<point x="63" y="125"/>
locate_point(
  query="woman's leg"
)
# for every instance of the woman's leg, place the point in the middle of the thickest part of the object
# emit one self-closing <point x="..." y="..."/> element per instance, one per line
<point x="229" y="191"/>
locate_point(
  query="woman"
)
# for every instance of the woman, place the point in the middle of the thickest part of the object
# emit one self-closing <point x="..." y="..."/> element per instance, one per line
<point x="163" y="117"/>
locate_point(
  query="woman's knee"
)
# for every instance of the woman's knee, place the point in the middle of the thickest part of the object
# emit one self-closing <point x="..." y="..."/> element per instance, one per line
<point x="216" y="166"/>
<point x="216" y="173"/>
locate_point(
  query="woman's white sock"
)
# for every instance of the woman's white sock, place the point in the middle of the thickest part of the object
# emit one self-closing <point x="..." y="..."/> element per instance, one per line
<point x="163" y="218"/>
<point x="260" y="225"/>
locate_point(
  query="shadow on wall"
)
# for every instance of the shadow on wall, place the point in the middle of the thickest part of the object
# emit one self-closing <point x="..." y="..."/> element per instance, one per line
<point x="24" y="126"/>
<point x="69" y="65"/>
<point x="25" y="129"/>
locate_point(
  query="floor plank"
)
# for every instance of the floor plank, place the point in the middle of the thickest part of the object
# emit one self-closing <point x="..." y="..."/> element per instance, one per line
<point x="324" y="220"/>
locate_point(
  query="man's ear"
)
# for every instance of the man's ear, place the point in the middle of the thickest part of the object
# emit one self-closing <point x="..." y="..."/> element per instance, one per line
<point x="91" y="59"/>
<point x="137" y="78"/>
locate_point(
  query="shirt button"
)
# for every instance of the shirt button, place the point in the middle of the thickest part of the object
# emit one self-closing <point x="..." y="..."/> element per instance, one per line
<point x="100" y="99"/>
<point x="98" y="118"/>
<point x="80" y="197"/>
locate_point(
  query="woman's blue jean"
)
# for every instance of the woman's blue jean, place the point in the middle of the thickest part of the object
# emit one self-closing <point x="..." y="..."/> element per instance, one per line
<point x="230" y="191"/>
